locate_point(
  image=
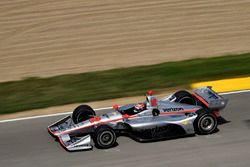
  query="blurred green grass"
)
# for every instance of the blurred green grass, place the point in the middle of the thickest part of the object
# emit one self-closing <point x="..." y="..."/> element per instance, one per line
<point x="33" y="93"/>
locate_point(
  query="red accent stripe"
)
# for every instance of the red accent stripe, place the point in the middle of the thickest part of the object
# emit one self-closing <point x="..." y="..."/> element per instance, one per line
<point x="50" y="131"/>
<point x="201" y="99"/>
<point x="71" y="130"/>
<point x="128" y="116"/>
<point x="178" y="112"/>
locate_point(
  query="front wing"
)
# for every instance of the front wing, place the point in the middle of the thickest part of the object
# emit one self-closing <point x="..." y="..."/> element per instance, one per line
<point x="70" y="143"/>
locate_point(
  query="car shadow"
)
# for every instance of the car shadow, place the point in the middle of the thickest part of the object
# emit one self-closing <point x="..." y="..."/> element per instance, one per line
<point x="222" y="120"/>
<point x="137" y="139"/>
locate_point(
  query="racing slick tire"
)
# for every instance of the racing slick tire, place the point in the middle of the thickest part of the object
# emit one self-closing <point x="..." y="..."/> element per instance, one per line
<point x="82" y="113"/>
<point x="205" y="123"/>
<point x="104" y="137"/>
<point x="185" y="97"/>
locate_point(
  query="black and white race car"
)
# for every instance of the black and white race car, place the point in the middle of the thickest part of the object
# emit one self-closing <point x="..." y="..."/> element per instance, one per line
<point x="180" y="114"/>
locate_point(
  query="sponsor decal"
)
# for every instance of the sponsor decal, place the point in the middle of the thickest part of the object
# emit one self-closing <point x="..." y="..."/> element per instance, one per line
<point x="173" y="109"/>
<point x="157" y="131"/>
<point x="186" y="122"/>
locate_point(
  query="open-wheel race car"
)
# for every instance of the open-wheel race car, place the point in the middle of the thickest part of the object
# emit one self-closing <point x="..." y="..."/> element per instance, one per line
<point x="180" y="114"/>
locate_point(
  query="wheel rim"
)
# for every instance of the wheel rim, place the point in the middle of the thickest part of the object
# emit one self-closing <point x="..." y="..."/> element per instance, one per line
<point x="187" y="100"/>
<point x="106" y="138"/>
<point x="207" y="123"/>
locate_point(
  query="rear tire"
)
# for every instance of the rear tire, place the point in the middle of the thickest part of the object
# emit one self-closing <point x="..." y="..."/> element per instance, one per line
<point x="104" y="137"/>
<point x="185" y="98"/>
<point x="205" y="123"/>
<point x="82" y="113"/>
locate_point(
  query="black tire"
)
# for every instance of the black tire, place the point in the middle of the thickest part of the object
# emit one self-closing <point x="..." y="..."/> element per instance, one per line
<point x="185" y="98"/>
<point x="104" y="137"/>
<point x="205" y="123"/>
<point x="82" y="113"/>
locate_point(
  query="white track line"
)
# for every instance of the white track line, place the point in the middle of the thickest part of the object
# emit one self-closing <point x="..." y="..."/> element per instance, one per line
<point x="98" y="109"/>
<point x="234" y="92"/>
<point x="48" y="115"/>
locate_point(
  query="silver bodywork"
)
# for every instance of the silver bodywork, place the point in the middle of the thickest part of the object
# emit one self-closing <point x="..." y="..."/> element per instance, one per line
<point x="174" y="119"/>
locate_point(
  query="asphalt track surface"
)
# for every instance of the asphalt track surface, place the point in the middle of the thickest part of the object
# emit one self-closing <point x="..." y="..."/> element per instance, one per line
<point x="26" y="143"/>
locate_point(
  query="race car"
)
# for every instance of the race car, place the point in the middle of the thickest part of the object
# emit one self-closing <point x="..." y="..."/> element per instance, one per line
<point x="180" y="114"/>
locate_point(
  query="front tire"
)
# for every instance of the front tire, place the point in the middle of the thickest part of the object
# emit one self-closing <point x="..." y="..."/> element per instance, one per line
<point x="205" y="123"/>
<point x="82" y="113"/>
<point x="104" y="137"/>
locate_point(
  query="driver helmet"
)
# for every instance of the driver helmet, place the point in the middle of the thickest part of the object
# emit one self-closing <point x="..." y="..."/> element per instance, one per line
<point x="140" y="107"/>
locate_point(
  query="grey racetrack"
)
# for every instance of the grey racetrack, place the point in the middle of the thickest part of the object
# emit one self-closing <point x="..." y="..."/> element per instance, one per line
<point x="26" y="143"/>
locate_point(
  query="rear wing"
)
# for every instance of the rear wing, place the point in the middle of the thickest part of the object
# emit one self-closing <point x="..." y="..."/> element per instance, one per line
<point x="210" y="98"/>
